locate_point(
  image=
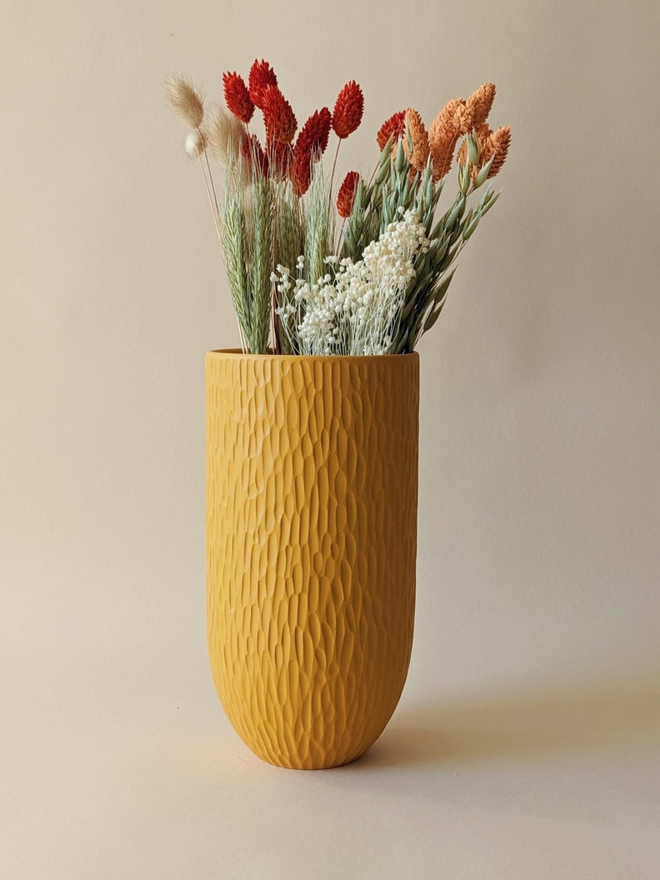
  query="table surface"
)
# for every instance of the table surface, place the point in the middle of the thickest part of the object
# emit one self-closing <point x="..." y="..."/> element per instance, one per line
<point x="121" y="767"/>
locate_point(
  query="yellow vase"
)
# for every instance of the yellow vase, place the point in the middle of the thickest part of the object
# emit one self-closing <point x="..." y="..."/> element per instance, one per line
<point x="311" y="546"/>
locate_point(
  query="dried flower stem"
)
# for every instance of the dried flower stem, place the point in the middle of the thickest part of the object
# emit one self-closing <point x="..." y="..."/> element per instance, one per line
<point x="213" y="203"/>
<point x="332" y="176"/>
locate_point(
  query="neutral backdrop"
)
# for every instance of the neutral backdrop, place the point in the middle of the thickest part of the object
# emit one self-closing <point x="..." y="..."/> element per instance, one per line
<point x="523" y="746"/>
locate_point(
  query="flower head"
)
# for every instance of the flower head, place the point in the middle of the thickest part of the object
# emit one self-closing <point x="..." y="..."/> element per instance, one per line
<point x="310" y="146"/>
<point x="347" y="193"/>
<point x="492" y="144"/>
<point x="349" y="107"/>
<point x="480" y="102"/>
<point x="279" y="118"/>
<point x="300" y="172"/>
<point x="500" y="141"/>
<point x="261" y="76"/>
<point x="313" y="136"/>
<point x="391" y="128"/>
<point x="416" y="143"/>
<point x="225" y="133"/>
<point x="195" y="143"/>
<point x="237" y="97"/>
<point x="453" y="120"/>
<point x="186" y="101"/>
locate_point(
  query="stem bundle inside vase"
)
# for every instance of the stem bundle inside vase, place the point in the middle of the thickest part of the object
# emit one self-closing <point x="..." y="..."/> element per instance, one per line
<point x="318" y="267"/>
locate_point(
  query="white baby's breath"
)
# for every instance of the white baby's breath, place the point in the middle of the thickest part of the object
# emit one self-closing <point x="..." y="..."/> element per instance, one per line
<point x="354" y="309"/>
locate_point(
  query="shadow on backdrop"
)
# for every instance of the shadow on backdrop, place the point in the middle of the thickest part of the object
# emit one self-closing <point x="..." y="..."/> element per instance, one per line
<point x="601" y="720"/>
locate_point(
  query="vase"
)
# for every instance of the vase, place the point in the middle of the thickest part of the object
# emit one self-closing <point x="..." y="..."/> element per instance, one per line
<point x="311" y="548"/>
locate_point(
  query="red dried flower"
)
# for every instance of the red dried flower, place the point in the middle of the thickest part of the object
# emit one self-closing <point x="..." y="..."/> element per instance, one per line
<point x="346" y="194"/>
<point x="349" y="107"/>
<point x="314" y="134"/>
<point x="279" y="118"/>
<point x="237" y="97"/>
<point x="310" y="146"/>
<point x="254" y="155"/>
<point x="279" y="158"/>
<point x="261" y="76"/>
<point x="391" y="128"/>
<point x="300" y="172"/>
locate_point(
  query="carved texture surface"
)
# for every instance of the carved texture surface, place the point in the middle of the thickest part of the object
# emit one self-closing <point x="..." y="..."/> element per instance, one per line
<point x="311" y="547"/>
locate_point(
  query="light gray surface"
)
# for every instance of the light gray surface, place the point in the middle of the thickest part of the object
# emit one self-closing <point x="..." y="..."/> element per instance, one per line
<point x="540" y="484"/>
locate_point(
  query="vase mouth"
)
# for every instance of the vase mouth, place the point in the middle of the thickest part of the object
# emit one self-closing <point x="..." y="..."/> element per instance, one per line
<point x="238" y="353"/>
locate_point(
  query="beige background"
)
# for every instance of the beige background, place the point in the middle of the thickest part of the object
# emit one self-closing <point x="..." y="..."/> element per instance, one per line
<point x="521" y="748"/>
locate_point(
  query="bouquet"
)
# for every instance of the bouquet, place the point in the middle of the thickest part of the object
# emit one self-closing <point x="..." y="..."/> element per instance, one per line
<point x="362" y="268"/>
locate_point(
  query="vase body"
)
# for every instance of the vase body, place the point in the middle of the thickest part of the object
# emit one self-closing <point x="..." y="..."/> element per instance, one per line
<point x="311" y="548"/>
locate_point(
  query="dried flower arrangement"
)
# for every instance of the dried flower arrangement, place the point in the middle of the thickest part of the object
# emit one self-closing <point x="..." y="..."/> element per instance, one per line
<point x="299" y="284"/>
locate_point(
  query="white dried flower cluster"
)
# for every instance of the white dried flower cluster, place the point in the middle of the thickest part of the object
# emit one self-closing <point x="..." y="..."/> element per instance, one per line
<point x="355" y="308"/>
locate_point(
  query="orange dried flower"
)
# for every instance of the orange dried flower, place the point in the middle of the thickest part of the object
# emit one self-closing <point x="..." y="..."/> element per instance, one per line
<point x="394" y="126"/>
<point x="346" y="194"/>
<point x="490" y="144"/>
<point x="461" y="156"/>
<point x="453" y="120"/>
<point x="417" y="151"/>
<point x="480" y="102"/>
<point x="261" y="76"/>
<point x="279" y="118"/>
<point x="500" y="143"/>
<point x="237" y="97"/>
<point x="349" y="107"/>
<point x="442" y="154"/>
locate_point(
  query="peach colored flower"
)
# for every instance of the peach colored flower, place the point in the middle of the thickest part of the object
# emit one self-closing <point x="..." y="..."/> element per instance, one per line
<point x="491" y="143"/>
<point x="452" y="121"/>
<point x="418" y="153"/>
<point x="480" y="102"/>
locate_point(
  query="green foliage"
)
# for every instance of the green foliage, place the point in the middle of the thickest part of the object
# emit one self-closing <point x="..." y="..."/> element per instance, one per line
<point x="247" y="241"/>
<point x="260" y="257"/>
<point x="319" y="229"/>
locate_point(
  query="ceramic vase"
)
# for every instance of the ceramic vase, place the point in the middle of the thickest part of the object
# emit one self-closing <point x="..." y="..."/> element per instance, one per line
<point x="311" y="548"/>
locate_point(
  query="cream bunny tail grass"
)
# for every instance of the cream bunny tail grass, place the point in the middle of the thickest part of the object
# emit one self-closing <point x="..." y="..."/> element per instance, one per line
<point x="225" y="134"/>
<point x="186" y="102"/>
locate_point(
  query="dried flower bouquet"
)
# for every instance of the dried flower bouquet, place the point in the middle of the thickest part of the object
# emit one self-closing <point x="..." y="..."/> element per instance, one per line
<point x="365" y="272"/>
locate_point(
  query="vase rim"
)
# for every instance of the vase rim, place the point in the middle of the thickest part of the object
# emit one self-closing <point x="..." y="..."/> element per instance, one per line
<point x="239" y="353"/>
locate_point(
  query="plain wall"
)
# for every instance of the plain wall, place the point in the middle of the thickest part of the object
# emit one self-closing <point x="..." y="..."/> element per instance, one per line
<point x="539" y="491"/>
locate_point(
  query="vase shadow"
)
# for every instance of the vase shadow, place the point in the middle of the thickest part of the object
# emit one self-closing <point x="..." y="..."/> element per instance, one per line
<point x="600" y="720"/>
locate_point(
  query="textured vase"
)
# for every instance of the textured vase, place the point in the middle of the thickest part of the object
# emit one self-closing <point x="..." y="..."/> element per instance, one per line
<point x="311" y="547"/>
